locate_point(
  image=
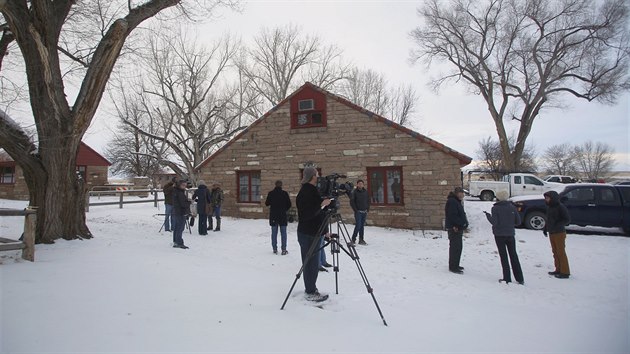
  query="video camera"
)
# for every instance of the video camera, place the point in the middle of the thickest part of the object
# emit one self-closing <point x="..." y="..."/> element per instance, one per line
<point x="328" y="187"/>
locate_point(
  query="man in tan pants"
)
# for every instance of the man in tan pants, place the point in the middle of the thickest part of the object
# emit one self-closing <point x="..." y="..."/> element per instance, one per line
<point x="557" y="218"/>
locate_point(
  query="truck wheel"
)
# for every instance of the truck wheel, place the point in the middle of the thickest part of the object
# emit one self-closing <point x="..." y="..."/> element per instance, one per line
<point x="535" y="220"/>
<point x="486" y="196"/>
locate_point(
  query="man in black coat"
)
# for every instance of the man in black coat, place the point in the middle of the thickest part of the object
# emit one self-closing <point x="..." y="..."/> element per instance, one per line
<point x="181" y="209"/>
<point x="455" y="223"/>
<point x="557" y="218"/>
<point x="202" y="197"/>
<point x="310" y="207"/>
<point x="168" y="202"/>
<point x="360" y="203"/>
<point x="279" y="203"/>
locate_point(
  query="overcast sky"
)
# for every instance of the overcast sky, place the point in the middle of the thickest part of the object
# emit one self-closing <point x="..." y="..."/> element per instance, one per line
<point x="375" y="35"/>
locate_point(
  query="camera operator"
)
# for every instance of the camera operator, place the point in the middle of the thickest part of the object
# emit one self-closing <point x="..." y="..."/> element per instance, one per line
<point x="181" y="210"/>
<point x="310" y="217"/>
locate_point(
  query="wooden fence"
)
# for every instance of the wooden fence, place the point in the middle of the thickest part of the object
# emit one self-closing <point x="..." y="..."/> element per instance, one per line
<point x="152" y="196"/>
<point x="27" y="244"/>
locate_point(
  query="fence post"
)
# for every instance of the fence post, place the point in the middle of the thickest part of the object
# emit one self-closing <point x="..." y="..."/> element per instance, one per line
<point x="155" y="197"/>
<point x="30" y="223"/>
<point x="121" y="200"/>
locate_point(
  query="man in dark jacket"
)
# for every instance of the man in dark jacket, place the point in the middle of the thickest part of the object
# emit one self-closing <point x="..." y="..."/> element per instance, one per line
<point x="279" y="203"/>
<point x="181" y="208"/>
<point x="504" y="218"/>
<point x="557" y="218"/>
<point x="455" y="223"/>
<point x="360" y="203"/>
<point x="168" y="202"/>
<point x="202" y="197"/>
<point x="310" y="207"/>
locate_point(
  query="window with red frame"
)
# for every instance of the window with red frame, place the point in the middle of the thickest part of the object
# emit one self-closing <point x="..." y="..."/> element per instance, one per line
<point x="82" y="170"/>
<point x="248" y="186"/>
<point x="385" y="185"/>
<point x="307" y="115"/>
<point x="7" y="175"/>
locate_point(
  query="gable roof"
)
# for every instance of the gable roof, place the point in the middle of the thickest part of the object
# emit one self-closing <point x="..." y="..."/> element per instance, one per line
<point x="86" y="156"/>
<point x="463" y="159"/>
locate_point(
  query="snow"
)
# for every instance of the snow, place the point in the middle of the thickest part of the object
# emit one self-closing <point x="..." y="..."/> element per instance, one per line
<point x="128" y="290"/>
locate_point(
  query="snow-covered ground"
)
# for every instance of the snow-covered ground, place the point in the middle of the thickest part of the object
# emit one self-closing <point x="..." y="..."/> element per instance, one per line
<point x="128" y="290"/>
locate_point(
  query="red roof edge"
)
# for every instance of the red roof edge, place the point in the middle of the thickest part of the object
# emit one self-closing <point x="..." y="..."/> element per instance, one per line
<point x="99" y="156"/>
<point x="463" y="159"/>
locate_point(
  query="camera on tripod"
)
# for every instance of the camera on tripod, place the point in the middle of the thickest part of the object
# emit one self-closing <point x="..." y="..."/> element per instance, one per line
<point x="328" y="187"/>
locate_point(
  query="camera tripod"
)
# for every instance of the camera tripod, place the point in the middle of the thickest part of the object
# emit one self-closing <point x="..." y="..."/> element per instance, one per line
<point x="185" y="221"/>
<point x="336" y="246"/>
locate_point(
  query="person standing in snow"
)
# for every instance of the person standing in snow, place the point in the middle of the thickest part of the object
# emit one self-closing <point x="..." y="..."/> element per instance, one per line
<point x="504" y="217"/>
<point x="279" y="203"/>
<point x="202" y="197"/>
<point x="455" y="223"/>
<point x="168" y="203"/>
<point x="216" y="198"/>
<point x="310" y="207"/>
<point x="360" y="203"/>
<point x="557" y="218"/>
<point x="181" y="209"/>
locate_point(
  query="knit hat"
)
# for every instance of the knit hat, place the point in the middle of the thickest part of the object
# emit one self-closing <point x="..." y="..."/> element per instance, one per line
<point x="308" y="174"/>
<point x="502" y="195"/>
<point x="201" y="182"/>
<point x="458" y="190"/>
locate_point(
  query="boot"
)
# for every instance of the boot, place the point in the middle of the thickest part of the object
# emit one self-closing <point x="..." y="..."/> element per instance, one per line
<point x="210" y="225"/>
<point x="218" y="228"/>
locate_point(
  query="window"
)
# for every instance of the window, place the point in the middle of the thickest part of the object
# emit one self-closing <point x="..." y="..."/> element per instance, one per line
<point x="313" y="119"/>
<point x="581" y="195"/>
<point x="517" y="179"/>
<point x="82" y="170"/>
<point x="248" y="186"/>
<point x="608" y="195"/>
<point x="306" y="105"/>
<point x="385" y="185"/>
<point x="533" y="180"/>
<point x="7" y="175"/>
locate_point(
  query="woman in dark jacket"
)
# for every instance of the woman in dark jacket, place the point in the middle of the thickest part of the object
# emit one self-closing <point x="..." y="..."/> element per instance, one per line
<point x="202" y="197"/>
<point x="557" y="218"/>
<point x="504" y="218"/>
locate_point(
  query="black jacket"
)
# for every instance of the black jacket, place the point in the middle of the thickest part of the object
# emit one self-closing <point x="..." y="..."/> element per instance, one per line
<point x="454" y="212"/>
<point x="504" y="218"/>
<point x="557" y="214"/>
<point x="310" y="214"/>
<point x="181" y="204"/>
<point x="202" y="197"/>
<point x="279" y="203"/>
<point x="360" y="200"/>
<point x="168" y="193"/>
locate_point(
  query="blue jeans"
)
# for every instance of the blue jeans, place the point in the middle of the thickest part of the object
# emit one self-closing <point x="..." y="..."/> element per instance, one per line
<point x="283" y="237"/>
<point x="168" y="210"/>
<point x="216" y="212"/>
<point x="311" y="266"/>
<point x="322" y="252"/>
<point x="359" y="225"/>
<point x="179" y="223"/>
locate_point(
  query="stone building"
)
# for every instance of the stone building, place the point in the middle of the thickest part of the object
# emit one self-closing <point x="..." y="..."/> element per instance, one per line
<point x="408" y="175"/>
<point x="90" y="164"/>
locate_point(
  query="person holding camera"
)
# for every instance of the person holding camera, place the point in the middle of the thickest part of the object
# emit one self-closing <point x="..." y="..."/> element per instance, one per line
<point x="360" y="203"/>
<point x="181" y="210"/>
<point x="504" y="217"/>
<point x="311" y="216"/>
<point x="455" y="223"/>
<point x="279" y="203"/>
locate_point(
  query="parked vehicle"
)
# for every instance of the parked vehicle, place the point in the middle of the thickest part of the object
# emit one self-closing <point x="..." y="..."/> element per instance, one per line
<point x="515" y="184"/>
<point x="559" y="179"/>
<point x="621" y="183"/>
<point x="589" y="204"/>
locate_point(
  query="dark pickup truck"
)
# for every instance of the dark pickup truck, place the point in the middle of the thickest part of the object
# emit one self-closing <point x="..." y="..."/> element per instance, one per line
<point x="589" y="204"/>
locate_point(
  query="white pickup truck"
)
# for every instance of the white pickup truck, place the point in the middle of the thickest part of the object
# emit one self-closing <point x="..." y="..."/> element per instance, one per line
<point x="515" y="184"/>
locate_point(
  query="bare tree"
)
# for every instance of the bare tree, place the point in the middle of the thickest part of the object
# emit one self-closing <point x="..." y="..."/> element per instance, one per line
<point x="183" y="97"/>
<point x="595" y="159"/>
<point x="402" y="104"/>
<point x="560" y="159"/>
<point x="523" y="55"/>
<point x="49" y="163"/>
<point x="282" y="58"/>
<point x="489" y="153"/>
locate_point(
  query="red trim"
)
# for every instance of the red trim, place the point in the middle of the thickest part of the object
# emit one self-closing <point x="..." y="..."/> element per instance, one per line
<point x="319" y="107"/>
<point x="463" y="159"/>
<point x="2" y="175"/>
<point x="384" y="170"/>
<point x="249" y="186"/>
<point x="86" y="156"/>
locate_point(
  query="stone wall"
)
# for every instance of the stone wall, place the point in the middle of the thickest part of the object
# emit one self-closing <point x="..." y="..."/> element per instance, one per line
<point x="351" y="142"/>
